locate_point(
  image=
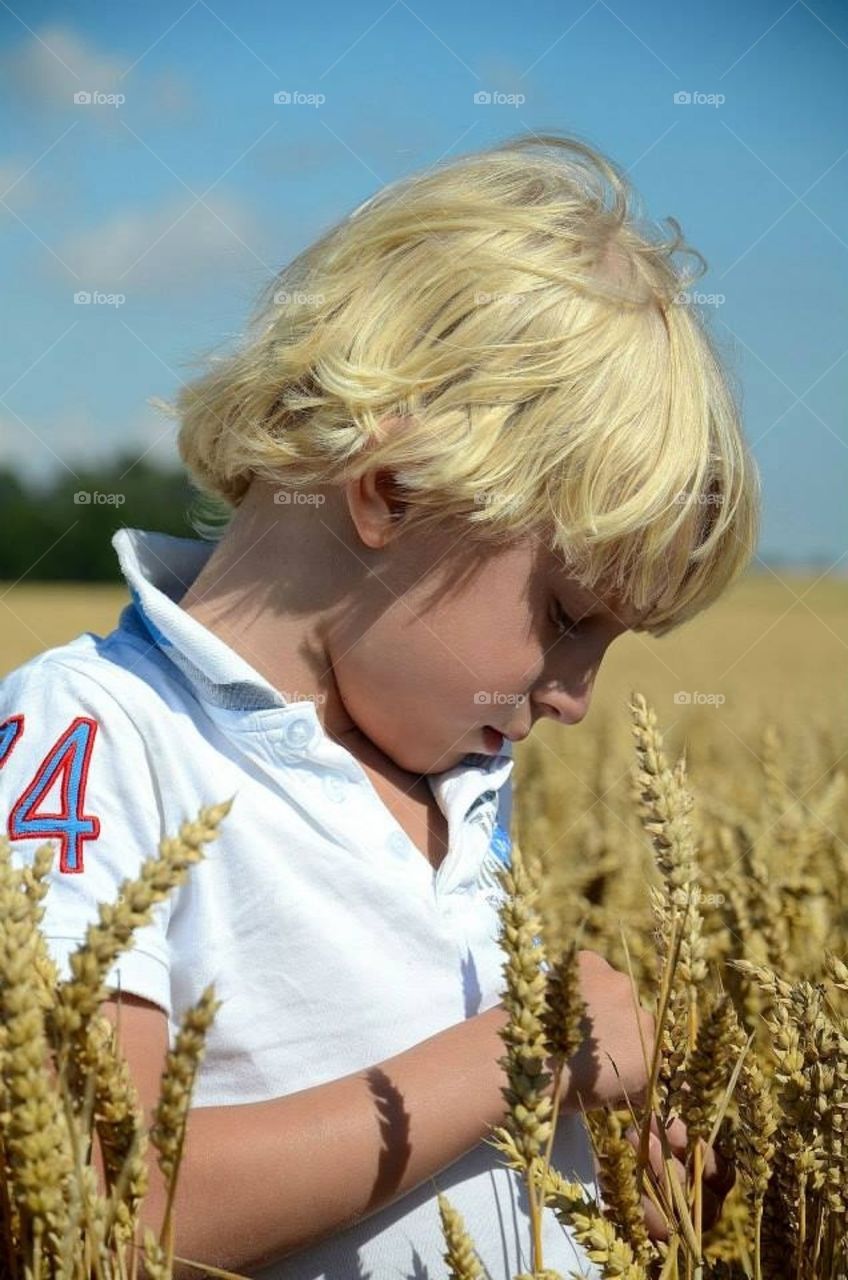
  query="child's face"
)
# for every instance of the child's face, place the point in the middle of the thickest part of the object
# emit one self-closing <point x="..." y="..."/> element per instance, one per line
<point x="446" y="639"/>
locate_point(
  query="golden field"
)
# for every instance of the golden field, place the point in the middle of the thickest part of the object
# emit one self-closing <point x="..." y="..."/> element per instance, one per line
<point x="707" y="849"/>
<point x="697" y="835"/>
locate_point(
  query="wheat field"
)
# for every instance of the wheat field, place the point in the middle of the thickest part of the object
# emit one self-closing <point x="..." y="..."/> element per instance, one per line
<point x="773" y="640"/>
<point x="694" y="830"/>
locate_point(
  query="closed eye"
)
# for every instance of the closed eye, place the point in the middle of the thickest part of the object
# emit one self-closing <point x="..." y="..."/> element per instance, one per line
<point x="566" y="624"/>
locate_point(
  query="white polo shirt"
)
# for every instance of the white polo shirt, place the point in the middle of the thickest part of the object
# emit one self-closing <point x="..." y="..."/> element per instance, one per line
<point x="331" y="941"/>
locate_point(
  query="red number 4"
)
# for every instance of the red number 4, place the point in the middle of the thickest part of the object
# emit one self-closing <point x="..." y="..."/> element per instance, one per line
<point x="68" y="759"/>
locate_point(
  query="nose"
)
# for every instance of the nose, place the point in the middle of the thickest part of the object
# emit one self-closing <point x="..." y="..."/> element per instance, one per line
<point x="562" y="706"/>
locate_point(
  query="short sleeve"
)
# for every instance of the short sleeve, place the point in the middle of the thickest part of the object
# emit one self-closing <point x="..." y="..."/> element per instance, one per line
<point x="76" y="772"/>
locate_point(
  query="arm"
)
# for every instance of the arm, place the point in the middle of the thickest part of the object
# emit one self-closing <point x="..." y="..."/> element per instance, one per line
<point x="264" y="1179"/>
<point x="261" y="1180"/>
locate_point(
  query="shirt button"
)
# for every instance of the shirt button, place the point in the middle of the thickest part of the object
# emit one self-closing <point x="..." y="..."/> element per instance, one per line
<point x="399" y="843"/>
<point x="335" y="786"/>
<point x="299" y="732"/>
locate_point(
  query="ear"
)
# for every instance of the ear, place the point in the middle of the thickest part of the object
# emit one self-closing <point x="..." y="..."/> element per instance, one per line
<point x="376" y="506"/>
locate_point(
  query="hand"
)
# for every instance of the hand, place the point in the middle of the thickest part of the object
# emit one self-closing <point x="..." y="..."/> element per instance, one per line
<point x="718" y="1176"/>
<point x="611" y="1028"/>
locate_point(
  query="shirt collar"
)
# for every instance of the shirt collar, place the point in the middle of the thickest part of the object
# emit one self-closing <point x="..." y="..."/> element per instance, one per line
<point x="158" y="569"/>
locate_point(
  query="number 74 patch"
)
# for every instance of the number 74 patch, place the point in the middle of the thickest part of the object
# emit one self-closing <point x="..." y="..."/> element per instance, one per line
<point x="68" y="759"/>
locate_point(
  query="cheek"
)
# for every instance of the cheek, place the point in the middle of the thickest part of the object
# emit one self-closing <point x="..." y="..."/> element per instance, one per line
<point x="444" y="650"/>
<point x="450" y="646"/>
<point x="496" y="657"/>
<point x="511" y="670"/>
<point x="403" y="660"/>
<point x="511" y="646"/>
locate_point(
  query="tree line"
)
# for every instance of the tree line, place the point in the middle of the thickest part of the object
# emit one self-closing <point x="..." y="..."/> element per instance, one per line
<point x="61" y="530"/>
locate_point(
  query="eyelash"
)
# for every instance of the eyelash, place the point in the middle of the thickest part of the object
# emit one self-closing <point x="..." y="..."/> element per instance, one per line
<point x="566" y="625"/>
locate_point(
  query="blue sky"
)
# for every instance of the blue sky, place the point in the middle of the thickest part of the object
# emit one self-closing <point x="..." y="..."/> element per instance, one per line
<point x="186" y="195"/>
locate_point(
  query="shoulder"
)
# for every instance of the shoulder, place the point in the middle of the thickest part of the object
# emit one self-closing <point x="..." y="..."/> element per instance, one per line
<point x="74" y="663"/>
<point x="111" y="676"/>
<point x="75" y="772"/>
<point x="94" y="750"/>
<point x="58" y="680"/>
<point x="73" y="761"/>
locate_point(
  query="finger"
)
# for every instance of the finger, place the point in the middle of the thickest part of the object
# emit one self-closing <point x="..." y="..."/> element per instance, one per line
<point x="675" y="1132"/>
<point x="656" y="1159"/>
<point x="654" y="1156"/>
<point x="655" y="1151"/>
<point x="718" y="1179"/>
<point x="634" y="1135"/>
<point x="678" y="1137"/>
<point x="655" y="1221"/>
<point x="713" y="1190"/>
<point x="717" y="1169"/>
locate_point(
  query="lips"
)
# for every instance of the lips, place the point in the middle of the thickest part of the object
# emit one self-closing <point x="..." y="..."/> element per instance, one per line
<point x="491" y="732"/>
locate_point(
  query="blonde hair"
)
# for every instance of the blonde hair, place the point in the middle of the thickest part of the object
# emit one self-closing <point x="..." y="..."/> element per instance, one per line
<point x="538" y="345"/>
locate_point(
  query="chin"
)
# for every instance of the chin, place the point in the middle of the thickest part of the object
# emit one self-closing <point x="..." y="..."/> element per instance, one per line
<point x="410" y="756"/>
<point x="421" y="765"/>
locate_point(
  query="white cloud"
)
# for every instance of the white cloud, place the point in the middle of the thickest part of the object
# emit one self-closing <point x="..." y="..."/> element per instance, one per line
<point x="138" y="251"/>
<point x="45" y="71"/>
<point x="49" y="67"/>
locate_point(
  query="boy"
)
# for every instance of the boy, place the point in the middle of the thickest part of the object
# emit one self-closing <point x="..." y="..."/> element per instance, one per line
<point x="473" y="438"/>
